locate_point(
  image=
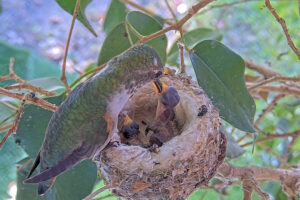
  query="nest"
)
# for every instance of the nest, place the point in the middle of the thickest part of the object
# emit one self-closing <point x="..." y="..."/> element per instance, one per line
<point x="187" y="160"/>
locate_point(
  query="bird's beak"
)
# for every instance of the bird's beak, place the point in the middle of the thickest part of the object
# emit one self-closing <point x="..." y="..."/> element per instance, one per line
<point x="159" y="87"/>
<point x="127" y="121"/>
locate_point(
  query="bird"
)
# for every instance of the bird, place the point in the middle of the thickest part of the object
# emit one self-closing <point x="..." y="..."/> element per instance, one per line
<point x="83" y="124"/>
<point x="130" y="128"/>
<point x="168" y="98"/>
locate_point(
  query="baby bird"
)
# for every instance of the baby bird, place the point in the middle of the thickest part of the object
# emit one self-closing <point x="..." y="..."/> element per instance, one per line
<point x="168" y="98"/>
<point x="130" y="128"/>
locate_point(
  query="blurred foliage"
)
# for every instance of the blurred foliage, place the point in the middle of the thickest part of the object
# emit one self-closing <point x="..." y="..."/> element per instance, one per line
<point x="247" y="27"/>
<point x="122" y="35"/>
<point x="69" y="6"/>
<point x="28" y="65"/>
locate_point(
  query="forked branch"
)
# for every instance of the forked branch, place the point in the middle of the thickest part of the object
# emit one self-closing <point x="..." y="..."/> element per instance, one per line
<point x="281" y="21"/>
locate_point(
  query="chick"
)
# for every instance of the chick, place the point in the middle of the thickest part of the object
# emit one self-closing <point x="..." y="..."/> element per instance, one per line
<point x="162" y="127"/>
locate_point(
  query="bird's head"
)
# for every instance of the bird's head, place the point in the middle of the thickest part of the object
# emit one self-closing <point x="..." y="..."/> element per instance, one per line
<point x="169" y="96"/>
<point x="139" y="65"/>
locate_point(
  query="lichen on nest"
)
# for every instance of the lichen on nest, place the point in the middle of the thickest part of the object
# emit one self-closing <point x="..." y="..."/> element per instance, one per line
<point x="186" y="161"/>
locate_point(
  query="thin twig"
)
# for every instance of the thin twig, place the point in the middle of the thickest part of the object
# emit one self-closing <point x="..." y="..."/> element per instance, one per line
<point x="171" y="10"/>
<point x="282" y="89"/>
<point x="247" y="189"/>
<point x="8" y="105"/>
<point x="6" y="127"/>
<point x="7" y="118"/>
<point x="14" y="128"/>
<point x="274" y="136"/>
<point x="32" y="99"/>
<point x="91" y="196"/>
<point x="24" y="165"/>
<point x="63" y="74"/>
<point x="273" y="79"/>
<point x="22" y="83"/>
<point x="225" y="5"/>
<point x="281" y="21"/>
<point x="266" y="72"/>
<point x="268" y="108"/>
<point x="177" y="26"/>
<point x="270" y="151"/>
<point x="149" y="12"/>
<point x="288" y="150"/>
<point x="182" y="65"/>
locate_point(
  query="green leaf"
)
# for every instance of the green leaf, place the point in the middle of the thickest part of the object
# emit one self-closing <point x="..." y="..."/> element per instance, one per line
<point x="69" y="6"/>
<point x="76" y="183"/>
<point x="32" y="126"/>
<point x="115" y="15"/>
<point x="220" y="72"/>
<point x="233" y="150"/>
<point x="117" y="40"/>
<point x="146" y="25"/>
<point x="192" y="38"/>
<point x="10" y="154"/>
<point x="73" y="184"/>
<point x="28" y="65"/>
<point x="115" y="43"/>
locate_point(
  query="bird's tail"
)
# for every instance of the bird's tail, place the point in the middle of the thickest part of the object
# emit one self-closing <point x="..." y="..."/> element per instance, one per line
<point x="45" y="186"/>
<point x="68" y="162"/>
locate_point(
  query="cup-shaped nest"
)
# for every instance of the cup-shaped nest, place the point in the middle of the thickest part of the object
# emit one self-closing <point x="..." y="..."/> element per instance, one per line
<point x="187" y="160"/>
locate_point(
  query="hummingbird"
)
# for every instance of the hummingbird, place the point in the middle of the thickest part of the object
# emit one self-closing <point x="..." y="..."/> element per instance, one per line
<point x="83" y="124"/>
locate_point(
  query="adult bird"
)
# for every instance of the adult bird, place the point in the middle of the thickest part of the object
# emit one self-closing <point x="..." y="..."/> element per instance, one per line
<point x="83" y="124"/>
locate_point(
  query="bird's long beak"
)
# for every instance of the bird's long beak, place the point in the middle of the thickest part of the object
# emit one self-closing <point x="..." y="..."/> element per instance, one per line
<point x="159" y="87"/>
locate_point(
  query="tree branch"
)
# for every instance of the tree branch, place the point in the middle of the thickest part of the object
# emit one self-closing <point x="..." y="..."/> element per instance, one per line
<point x="14" y="127"/>
<point x="182" y="65"/>
<point x="289" y="178"/>
<point x="270" y="106"/>
<point x="266" y="72"/>
<point x="192" y="11"/>
<point x="149" y="12"/>
<point x="273" y="79"/>
<point x="22" y="83"/>
<point x="284" y="27"/>
<point x="274" y="136"/>
<point x="30" y="98"/>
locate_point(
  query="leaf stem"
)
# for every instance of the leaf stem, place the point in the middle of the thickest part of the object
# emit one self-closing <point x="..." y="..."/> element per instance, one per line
<point x="128" y="34"/>
<point x="63" y="74"/>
